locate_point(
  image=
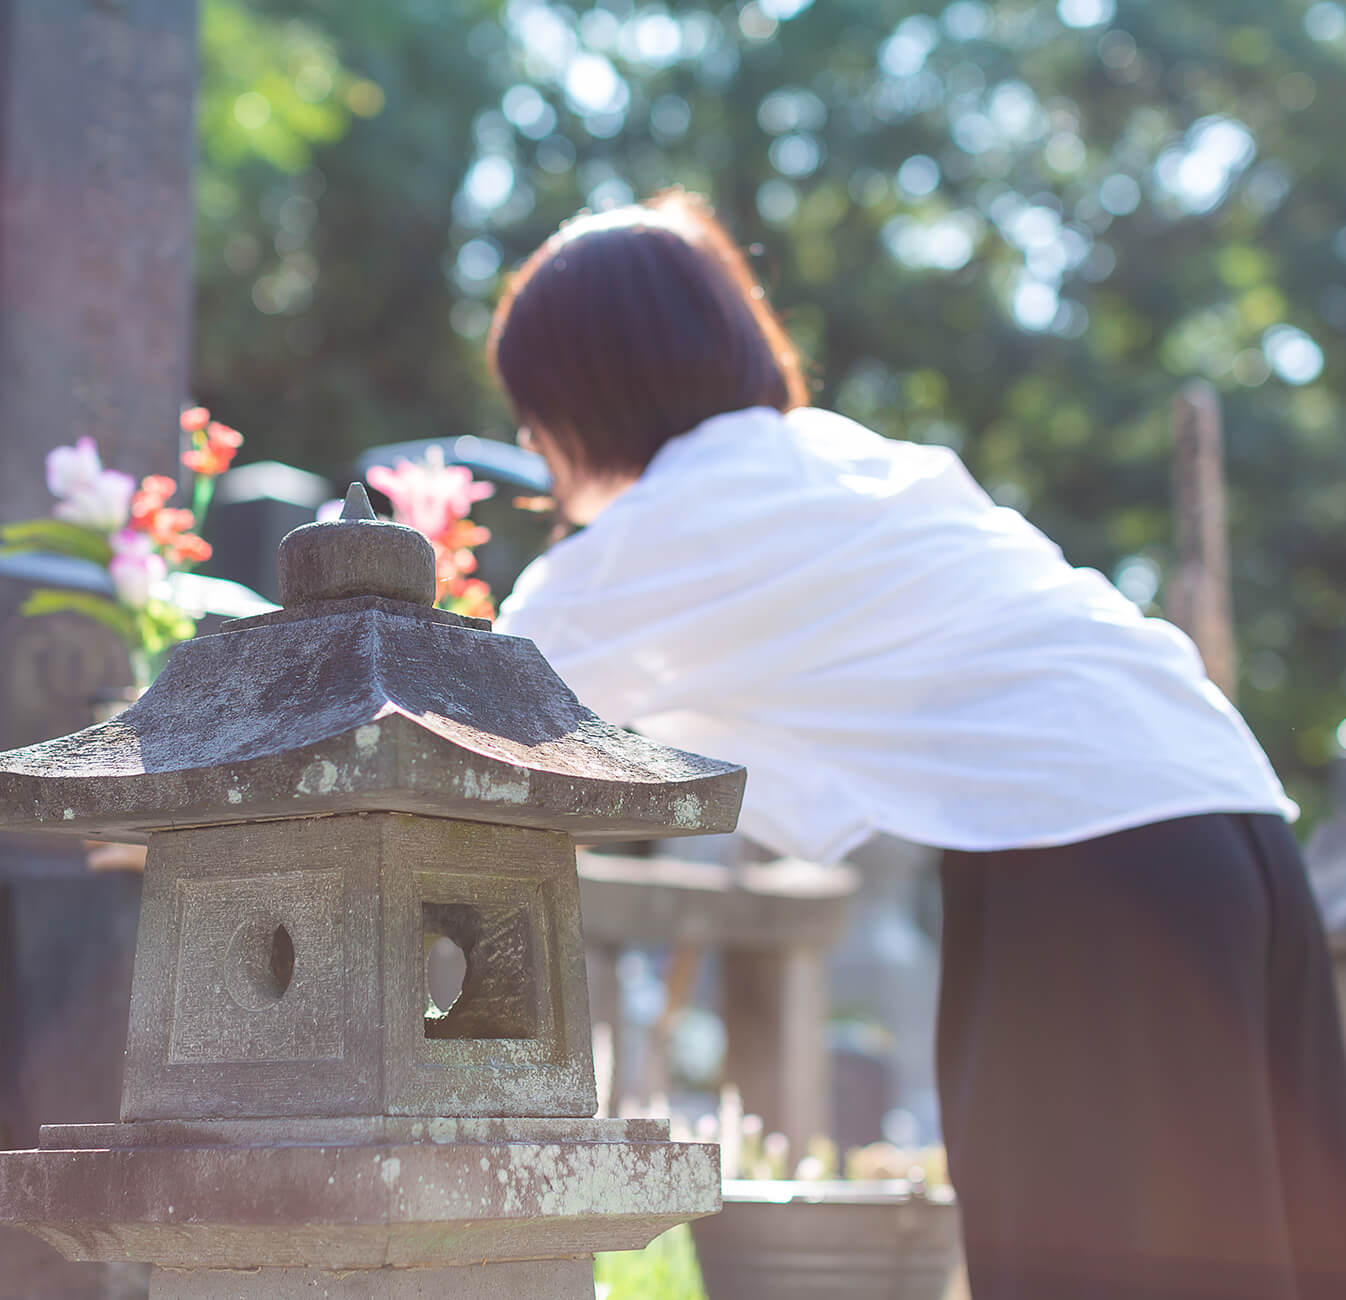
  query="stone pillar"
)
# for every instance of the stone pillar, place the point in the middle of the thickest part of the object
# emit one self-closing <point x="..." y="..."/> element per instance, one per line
<point x="96" y="145"/>
<point x="1199" y="598"/>
<point x="329" y="792"/>
<point x="96" y="151"/>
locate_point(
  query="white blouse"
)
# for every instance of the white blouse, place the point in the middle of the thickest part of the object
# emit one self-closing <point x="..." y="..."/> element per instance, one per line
<point x="882" y="646"/>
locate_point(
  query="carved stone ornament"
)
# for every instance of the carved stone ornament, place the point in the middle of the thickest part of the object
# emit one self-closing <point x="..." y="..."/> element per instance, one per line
<point x="331" y="794"/>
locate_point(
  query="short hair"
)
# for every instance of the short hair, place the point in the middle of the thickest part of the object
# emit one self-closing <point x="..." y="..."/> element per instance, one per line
<point x="632" y="326"/>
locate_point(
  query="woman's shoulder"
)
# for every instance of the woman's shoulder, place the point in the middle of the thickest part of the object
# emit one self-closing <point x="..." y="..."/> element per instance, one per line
<point x="807" y="442"/>
<point x="837" y="437"/>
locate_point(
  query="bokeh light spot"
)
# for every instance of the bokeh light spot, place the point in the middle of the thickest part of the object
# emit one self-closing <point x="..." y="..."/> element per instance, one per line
<point x="918" y="176"/>
<point x="1086" y="13"/>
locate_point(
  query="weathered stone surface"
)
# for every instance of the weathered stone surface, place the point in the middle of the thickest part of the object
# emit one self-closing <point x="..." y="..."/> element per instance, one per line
<point x="54" y="668"/>
<point x="346" y="1130"/>
<point x="96" y="146"/>
<point x="283" y="1031"/>
<point x="362" y="557"/>
<point x="66" y="948"/>
<point x="547" y="1279"/>
<point x="341" y="1027"/>
<point x="359" y="1207"/>
<point x="66" y="938"/>
<point x="367" y="704"/>
<point x="96" y="143"/>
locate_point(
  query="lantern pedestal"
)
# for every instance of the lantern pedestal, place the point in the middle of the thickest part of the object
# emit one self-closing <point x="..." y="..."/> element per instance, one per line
<point x="250" y="1205"/>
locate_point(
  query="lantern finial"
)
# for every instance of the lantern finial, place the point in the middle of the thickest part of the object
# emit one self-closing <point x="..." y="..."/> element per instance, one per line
<point x="357" y="503"/>
<point x="356" y="555"/>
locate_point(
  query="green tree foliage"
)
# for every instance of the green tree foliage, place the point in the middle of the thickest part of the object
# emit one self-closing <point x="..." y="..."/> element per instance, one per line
<point x="1015" y="228"/>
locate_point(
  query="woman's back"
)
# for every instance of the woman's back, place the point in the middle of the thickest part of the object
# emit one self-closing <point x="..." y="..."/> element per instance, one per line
<point x="882" y="646"/>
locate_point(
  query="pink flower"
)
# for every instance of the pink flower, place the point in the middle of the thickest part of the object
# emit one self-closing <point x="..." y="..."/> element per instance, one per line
<point x="136" y="567"/>
<point x="70" y="469"/>
<point x="428" y="494"/>
<point x="88" y="494"/>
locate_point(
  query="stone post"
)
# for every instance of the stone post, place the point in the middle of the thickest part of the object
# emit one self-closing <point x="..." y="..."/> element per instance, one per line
<point x="329" y="792"/>
<point x="1199" y="599"/>
<point x="96" y="147"/>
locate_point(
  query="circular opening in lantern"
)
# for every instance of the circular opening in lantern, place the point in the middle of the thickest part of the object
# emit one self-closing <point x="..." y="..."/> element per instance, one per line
<point x="259" y="964"/>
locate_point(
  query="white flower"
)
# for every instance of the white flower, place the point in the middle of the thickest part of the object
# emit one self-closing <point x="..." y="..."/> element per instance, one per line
<point x="73" y="469"/>
<point x="104" y="505"/>
<point x="90" y="495"/>
<point x="136" y="567"/>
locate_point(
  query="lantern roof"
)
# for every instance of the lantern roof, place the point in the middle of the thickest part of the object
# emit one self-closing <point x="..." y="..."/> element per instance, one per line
<point x="357" y="696"/>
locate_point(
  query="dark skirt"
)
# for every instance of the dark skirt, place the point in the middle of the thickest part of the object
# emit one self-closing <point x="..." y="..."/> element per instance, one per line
<point x="1141" y="1069"/>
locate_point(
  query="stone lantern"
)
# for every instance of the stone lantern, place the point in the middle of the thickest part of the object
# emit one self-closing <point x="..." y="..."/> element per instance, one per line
<point x="328" y="793"/>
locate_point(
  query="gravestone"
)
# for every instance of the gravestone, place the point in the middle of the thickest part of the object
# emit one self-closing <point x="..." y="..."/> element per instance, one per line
<point x="95" y="307"/>
<point x="95" y="232"/>
<point x="253" y="507"/>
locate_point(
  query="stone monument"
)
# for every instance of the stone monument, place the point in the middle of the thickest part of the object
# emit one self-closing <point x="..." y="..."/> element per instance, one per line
<point x="96" y="153"/>
<point x="329" y="792"/>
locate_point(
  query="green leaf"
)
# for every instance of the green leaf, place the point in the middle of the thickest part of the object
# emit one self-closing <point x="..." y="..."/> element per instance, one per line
<point x="57" y="537"/>
<point x="49" y="600"/>
<point x="161" y="625"/>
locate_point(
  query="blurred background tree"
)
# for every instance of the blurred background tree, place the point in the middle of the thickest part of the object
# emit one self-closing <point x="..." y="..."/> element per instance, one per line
<point x="1014" y="228"/>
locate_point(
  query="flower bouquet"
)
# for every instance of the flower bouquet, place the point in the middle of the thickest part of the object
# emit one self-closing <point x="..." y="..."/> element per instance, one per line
<point x="103" y="516"/>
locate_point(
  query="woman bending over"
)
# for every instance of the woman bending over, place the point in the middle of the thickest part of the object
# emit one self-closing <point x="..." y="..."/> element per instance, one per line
<point x="1140" y="1061"/>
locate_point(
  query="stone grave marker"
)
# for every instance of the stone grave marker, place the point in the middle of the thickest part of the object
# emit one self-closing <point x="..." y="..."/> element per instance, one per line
<point x="96" y="147"/>
<point x="253" y="508"/>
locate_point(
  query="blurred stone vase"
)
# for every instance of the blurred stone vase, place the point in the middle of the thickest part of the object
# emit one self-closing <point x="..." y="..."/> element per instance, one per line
<point x="834" y="1240"/>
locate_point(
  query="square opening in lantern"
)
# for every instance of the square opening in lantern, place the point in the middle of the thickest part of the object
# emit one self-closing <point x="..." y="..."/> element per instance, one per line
<point x="481" y="973"/>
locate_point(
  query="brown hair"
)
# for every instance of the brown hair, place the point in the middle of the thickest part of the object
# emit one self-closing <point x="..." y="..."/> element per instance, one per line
<point x="628" y="328"/>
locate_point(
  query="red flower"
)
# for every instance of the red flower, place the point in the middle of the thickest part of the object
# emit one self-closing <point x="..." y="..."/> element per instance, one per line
<point x="168" y="529"/>
<point x="165" y="526"/>
<point x="465" y="533"/>
<point x="155" y="489"/>
<point x="472" y="598"/>
<point x="222" y="435"/>
<point x="188" y="549"/>
<point x="213" y="456"/>
<point x="195" y="420"/>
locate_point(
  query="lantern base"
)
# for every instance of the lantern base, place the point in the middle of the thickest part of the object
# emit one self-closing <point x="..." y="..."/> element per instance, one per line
<point x="541" y="1279"/>
<point x="321" y="1195"/>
